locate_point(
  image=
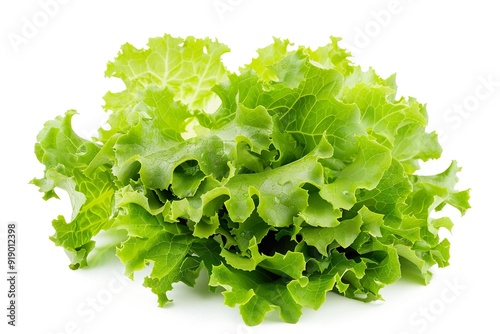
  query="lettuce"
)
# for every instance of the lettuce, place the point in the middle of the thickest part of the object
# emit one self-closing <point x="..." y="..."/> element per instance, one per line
<point x="295" y="176"/>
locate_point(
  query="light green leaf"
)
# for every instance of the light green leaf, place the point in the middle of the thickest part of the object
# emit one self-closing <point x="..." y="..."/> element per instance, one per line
<point x="65" y="156"/>
<point x="365" y="172"/>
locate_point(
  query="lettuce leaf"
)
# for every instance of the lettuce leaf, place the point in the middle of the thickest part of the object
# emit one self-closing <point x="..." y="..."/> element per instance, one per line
<point x="293" y="177"/>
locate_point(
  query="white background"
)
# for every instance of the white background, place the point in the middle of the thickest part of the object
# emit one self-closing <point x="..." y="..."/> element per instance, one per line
<point x="443" y="53"/>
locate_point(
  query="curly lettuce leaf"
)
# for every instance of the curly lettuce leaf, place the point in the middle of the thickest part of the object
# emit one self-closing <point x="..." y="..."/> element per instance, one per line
<point x="66" y="157"/>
